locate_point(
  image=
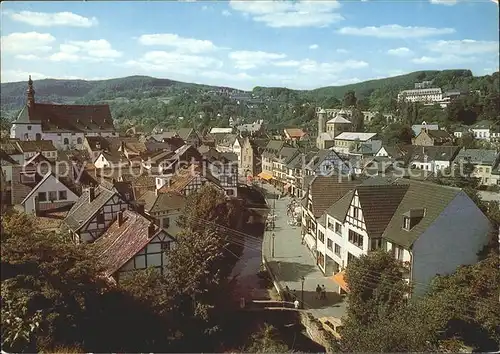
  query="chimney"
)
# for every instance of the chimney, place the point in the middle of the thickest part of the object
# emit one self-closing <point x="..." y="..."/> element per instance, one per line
<point x="120" y="218"/>
<point x="151" y="229"/>
<point x="91" y="194"/>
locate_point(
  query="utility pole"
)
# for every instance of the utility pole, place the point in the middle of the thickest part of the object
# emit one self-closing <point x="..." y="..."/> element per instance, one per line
<point x="272" y="250"/>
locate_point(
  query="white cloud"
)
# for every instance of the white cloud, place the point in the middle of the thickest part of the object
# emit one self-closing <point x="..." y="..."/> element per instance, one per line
<point x="395" y="31"/>
<point x="190" y="45"/>
<point x="27" y="57"/>
<point x="46" y="19"/>
<point x="400" y="52"/>
<point x="204" y="8"/>
<point x="248" y="60"/>
<point x="444" y="2"/>
<point x="309" y="66"/>
<point x="27" y="43"/>
<point x="290" y="14"/>
<point x="464" y="47"/>
<point x="92" y="50"/>
<point x="313" y="46"/>
<point x="174" y="62"/>
<point x="447" y="59"/>
<point x="224" y="76"/>
<point x="226" y="13"/>
<point x="287" y="63"/>
<point x="342" y="51"/>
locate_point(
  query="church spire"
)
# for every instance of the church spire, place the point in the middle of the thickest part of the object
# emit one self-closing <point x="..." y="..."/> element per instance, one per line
<point x="30" y="93"/>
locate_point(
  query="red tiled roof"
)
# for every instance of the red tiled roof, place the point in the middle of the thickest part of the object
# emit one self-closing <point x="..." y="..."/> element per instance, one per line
<point x="295" y="132"/>
<point x="122" y="242"/>
<point x="75" y="118"/>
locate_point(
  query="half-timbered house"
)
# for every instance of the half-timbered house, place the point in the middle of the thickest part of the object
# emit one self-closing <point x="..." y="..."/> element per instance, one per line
<point x="164" y="208"/>
<point x="94" y="211"/>
<point x="190" y="179"/>
<point x="130" y="243"/>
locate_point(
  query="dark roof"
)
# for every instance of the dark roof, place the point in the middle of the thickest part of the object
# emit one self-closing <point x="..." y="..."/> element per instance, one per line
<point x="184" y="133"/>
<point x="433" y="197"/>
<point x="477" y="156"/>
<point x="286" y="154"/>
<point x="36" y="145"/>
<point x="83" y="210"/>
<point x="272" y="148"/>
<point x="163" y="201"/>
<point x="326" y="190"/>
<point x="439" y="134"/>
<point x="10" y="147"/>
<point x="433" y="153"/>
<point x="122" y="242"/>
<point x="183" y="177"/>
<point x="6" y="159"/>
<point x="97" y="143"/>
<point x="379" y="202"/>
<point x="74" y="118"/>
<point x="339" y="209"/>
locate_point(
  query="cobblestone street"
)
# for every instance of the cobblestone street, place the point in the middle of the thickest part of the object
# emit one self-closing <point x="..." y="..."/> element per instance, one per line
<point x="293" y="260"/>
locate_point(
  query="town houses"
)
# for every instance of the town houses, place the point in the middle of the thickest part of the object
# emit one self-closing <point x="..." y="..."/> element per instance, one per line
<point x="352" y="192"/>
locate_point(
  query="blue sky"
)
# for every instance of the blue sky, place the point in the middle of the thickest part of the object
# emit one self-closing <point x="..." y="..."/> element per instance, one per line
<point x="297" y="44"/>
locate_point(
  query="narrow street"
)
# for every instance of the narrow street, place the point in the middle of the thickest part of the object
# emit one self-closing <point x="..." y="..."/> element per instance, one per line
<point x="293" y="260"/>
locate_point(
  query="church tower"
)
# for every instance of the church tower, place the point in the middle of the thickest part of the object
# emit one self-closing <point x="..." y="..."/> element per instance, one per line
<point x="30" y="92"/>
<point x="321" y="121"/>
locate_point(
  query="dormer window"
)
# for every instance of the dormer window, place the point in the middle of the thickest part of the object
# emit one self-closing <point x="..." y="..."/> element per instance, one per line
<point x="412" y="217"/>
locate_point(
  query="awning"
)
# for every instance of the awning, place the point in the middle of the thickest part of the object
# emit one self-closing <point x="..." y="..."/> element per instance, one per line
<point x="265" y="176"/>
<point x="310" y="241"/>
<point x="339" y="279"/>
<point x="287" y="186"/>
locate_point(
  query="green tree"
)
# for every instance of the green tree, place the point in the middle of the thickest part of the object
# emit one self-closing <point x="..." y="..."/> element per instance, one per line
<point x="349" y="100"/>
<point x="358" y="120"/>
<point x="266" y="341"/>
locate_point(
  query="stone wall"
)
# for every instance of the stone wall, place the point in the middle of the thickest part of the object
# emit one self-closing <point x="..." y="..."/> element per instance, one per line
<point x="317" y="333"/>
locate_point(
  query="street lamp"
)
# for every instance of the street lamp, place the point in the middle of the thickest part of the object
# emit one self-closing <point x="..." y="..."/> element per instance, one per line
<point x="272" y="250"/>
<point x="302" y="279"/>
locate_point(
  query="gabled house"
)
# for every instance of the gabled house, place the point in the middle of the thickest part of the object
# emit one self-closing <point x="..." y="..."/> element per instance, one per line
<point x="94" y="145"/>
<point x="431" y="229"/>
<point x="224" y="167"/>
<point x="434" y="137"/>
<point x="110" y="159"/>
<point x="322" y="192"/>
<point x="130" y="243"/>
<point x="11" y="149"/>
<point x="417" y="128"/>
<point x="280" y="171"/>
<point x="395" y="152"/>
<point x="189" y="136"/>
<point x="31" y="148"/>
<point x="94" y="211"/>
<point x="190" y="179"/>
<point x="433" y="158"/>
<point x="164" y="208"/>
<point x="346" y="141"/>
<point x="271" y="151"/>
<point x="51" y="193"/>
<point x="294" y="134"/>
<point x="251" y="150"/>
<point x="485" y="164"/>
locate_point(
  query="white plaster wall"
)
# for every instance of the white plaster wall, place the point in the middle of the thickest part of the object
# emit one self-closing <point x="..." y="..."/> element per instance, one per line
<point x="58" y="140"/>
<point x="382" y="152"/>
<point x="51" y="184"/>
<point x="454" y="239"/>
<point x="7" y="170"/>
<point x="17" y="131"/>
<point x="336" y="239"/>
<point x="101" y="162"/>
<point x="320" y="246"/>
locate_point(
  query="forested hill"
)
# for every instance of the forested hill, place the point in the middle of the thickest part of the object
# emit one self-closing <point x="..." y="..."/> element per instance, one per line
<point x="148" y="101"/>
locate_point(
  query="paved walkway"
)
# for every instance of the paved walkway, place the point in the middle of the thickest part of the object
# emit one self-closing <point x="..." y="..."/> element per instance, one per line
<point x="293" y="260"/>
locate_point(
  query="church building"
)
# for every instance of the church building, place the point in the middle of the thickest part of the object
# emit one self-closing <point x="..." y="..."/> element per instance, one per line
<point x="65" y="125"/>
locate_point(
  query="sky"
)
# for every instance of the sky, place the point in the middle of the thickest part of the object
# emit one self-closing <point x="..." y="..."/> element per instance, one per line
<point x="243" y="44"/>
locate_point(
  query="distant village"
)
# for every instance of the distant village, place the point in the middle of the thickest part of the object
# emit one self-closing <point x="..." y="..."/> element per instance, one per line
<point x="354" y="193"/>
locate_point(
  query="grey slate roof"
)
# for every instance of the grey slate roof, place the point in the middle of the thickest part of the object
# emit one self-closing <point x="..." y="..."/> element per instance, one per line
<point x="435" y="153"/>
<point x="433" y="197"/>
<point x="162" y="202"/>
<point x="82" y="210"/>
<point x="477" y="156"/>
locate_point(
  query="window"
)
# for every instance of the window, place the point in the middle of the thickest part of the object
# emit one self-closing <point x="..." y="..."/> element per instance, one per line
<point x="355" y="212"/>
<point x="38" y="136"/>
<point x="355" y="239"/>
<point x="398" y="252"/>
<point x="376" y="243"/>
<point x="29" y="127"/>
<point x="350" y="257"/>
<point x="229" y="192"/>
<point x="166" y="222"/>
<point x="329" y="244"/>
<point x="100" y="217"/>
<point x="337" y="250"/>
<point x="78" y="140"/>
<point x="52" y="195"/>
<point x="321" y="236"/>
<point x="338" y="228"/>
<point x="63" y="195"/>
<point x="331" y="225"/>
<point x="165" y="246"/>
<point x="406" y="223"/>
<point x="66" y="141"/>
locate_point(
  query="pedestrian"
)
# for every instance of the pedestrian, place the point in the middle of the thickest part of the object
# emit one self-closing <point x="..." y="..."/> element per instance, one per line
<point x="323" y="292"/>
<point x="296" y="304"/>
<point x="318" y="291"/>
